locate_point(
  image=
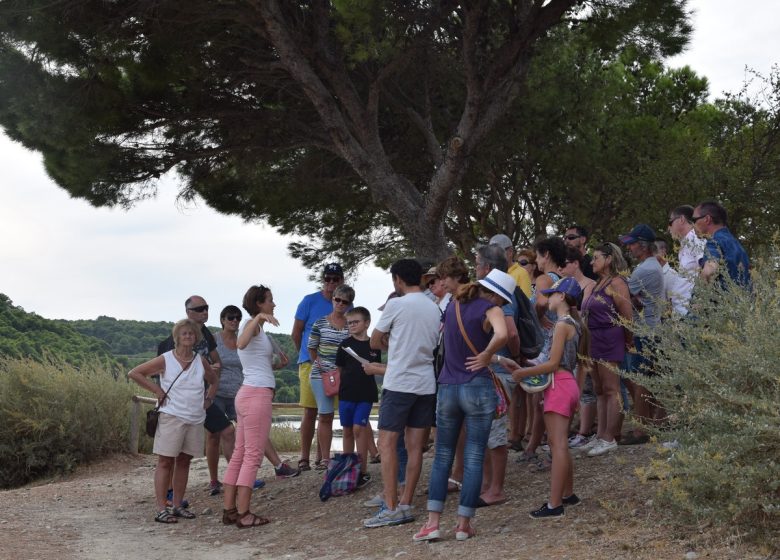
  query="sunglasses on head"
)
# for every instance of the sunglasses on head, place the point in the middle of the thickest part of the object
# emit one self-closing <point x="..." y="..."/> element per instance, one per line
<point x="199" y="309"/>
<point x="343" y="301"/>
<point x="233" y="317"/>
<point x="331" y="279"/>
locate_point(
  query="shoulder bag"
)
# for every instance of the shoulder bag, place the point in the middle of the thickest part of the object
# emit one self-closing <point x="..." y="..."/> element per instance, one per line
<point x="503" y="398"/>
<point x="153" y="416"/>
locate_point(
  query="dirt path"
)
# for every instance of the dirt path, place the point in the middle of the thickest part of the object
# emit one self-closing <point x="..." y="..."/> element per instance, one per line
<point x="105" y="511"/>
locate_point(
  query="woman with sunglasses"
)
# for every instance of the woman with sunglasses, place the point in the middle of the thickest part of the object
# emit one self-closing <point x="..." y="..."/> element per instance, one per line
<point x="324" y="339"/>
<point x="608" y="304"/>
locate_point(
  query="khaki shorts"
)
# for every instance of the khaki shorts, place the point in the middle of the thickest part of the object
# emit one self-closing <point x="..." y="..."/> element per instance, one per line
<point x="307" y="395"/>
<point x="175" y="436"/>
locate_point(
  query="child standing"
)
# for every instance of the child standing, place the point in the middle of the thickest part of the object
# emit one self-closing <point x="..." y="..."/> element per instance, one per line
<point x="570" y="337"/>
<point x="358" y="390"/>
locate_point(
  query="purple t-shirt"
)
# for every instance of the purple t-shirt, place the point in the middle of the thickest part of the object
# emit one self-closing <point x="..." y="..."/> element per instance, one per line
<point x="456" y="350"/>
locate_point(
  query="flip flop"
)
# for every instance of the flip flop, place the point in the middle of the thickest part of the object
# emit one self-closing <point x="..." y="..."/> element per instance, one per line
<point x="483" y="503"/>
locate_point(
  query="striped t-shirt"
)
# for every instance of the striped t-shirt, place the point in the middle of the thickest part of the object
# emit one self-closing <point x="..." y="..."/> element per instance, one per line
<point x="325" y="339"/>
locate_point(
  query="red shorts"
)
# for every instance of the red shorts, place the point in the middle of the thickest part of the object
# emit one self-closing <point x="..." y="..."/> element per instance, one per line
<point x="562" y="395"/>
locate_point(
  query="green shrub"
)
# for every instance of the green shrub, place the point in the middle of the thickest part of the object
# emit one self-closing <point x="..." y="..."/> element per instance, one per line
<point x="720" y="382"/>
<point x="285" y="437"/>
<point x="53" y="417"/>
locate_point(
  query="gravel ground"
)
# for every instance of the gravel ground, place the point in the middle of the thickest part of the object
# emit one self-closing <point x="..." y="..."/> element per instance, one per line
<point x="105" y="510"/>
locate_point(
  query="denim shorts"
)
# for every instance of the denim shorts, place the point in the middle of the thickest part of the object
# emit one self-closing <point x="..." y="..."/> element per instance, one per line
<point x="325" y="404"/>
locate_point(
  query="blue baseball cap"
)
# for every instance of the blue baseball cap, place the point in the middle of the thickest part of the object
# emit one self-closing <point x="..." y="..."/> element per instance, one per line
<point x="567" y="285"/>
<point x="641" y="232"/>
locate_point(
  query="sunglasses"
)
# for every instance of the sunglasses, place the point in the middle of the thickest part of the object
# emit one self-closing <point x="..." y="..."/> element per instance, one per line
<point x="331" y="279"/>
<point x="672" y="220"/>
<point x="199" y="309"/>
<point x="233" y="318"/>
<point x="342" y="301"/>
<point x="697" y="218"/>
<point x="354" y="322"/>
<point x="523" y="262"/>
<point x="572" y="237"/>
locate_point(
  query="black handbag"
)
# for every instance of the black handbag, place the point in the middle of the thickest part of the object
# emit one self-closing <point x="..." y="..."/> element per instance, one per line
<point x="438" y="355"/>
<point x="153" y="416"/>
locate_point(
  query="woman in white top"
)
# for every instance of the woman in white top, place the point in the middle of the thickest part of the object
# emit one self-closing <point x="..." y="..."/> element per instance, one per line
<point x="253" y="408"/>
<point x="179" y="435"/>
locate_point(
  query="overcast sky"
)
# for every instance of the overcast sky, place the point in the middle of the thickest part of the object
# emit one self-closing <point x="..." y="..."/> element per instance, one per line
<point x="62" y="258"/>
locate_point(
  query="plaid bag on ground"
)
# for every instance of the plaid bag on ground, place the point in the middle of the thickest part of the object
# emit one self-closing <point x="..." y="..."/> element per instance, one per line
<point x="342" y="476"/>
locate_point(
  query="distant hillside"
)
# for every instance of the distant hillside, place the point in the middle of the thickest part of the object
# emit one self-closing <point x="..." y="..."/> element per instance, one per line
<point x="28" y="335"/>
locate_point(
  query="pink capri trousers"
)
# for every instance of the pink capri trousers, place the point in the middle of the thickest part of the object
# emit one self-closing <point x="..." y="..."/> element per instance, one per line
<point x="253" y="409"/>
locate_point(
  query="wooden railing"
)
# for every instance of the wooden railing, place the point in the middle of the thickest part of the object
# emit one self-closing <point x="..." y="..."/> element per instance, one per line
<point x="136" y="416"/>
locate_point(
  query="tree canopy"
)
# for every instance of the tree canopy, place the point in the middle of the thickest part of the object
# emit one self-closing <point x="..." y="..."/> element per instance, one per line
<point x="353" y="121"/>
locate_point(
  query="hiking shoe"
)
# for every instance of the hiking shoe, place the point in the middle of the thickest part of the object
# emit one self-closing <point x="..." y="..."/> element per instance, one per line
<point x="215" y="488"/>
<point x="545" y="512"/>
<point x="376" y="501"/>
<point x="259" y="483"/>
<point x="388" y="517"/>
<point x="427" y="534"/>
<point x="363" y="479"/>
<point x="571" y="501"/>
<point x="579" y="440"/>
<point x="602" y="447"/>
<point x="286" y="471"/>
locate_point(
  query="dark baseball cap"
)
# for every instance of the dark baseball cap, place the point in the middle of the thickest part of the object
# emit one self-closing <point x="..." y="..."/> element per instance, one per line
<point x="333" y="268"/>
<point x="641" y="232"/>
<point x="567" y="285"/>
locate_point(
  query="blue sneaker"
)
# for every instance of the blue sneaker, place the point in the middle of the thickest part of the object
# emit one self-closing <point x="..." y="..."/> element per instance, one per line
<point x="386" y="517"/>
<point x="169" y="498"/>
<point x="536" y="383"/>
<point x="259" y="483"/>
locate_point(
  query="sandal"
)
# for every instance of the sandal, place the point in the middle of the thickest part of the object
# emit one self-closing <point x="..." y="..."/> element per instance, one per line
<point x="516" y="445"/>
<point x="183" y="513"/>
<point x="376" y="459"/>
<point x="543" y="464"/>
<point x="454" y="485"/>
<point x="321" y="465"/>
<point x="165" y="516"/>
<point x="229" y="516"/>
<point x="304" y="465"/>
<point x="526" y="457"/>
<point x="257" y="520"/>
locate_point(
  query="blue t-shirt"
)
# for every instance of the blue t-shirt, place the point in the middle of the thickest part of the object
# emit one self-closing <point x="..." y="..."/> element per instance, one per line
<point x="311" y="308"/>
<point x="724" y="246"/>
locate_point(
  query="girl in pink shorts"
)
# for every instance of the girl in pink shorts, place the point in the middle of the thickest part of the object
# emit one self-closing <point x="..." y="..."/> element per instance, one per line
<point x="570" y="339"/>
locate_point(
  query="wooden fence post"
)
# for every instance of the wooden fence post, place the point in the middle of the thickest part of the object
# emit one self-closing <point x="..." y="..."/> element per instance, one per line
<point x="136" y="412"/>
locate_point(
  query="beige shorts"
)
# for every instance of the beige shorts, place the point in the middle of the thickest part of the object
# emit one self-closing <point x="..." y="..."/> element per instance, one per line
<point x="307" y="395"/>
<point x="175" y="436"/>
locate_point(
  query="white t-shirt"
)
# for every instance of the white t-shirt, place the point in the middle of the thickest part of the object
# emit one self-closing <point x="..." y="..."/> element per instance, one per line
<point x="257" y="359"/>
<point x="691" y="250"/>
<point x="678" y="290"/>
<point x="413" y="323"/>
<point x="185" y="398"/>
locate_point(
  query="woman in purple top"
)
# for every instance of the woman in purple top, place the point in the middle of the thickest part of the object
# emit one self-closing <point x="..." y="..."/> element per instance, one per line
<point x="607" y="304"/>
<point x="466" y="395"/>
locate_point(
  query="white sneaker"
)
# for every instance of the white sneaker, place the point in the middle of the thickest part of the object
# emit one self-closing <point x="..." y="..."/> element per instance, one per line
<point x="602" y="447"/>
<point x="376" y="501"/>
<point x="590" y="444"/>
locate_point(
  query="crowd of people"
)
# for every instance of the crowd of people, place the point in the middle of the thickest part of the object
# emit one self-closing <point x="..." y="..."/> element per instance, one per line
<point x="486" y="397"/>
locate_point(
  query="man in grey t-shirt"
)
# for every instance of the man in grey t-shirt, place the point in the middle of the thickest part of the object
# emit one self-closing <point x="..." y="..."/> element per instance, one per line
<point x="646" y="285"/>
<point x="408" y="330"/>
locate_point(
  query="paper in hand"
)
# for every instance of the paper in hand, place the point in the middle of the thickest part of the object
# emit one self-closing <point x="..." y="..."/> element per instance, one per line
<point x="352" y="353"/>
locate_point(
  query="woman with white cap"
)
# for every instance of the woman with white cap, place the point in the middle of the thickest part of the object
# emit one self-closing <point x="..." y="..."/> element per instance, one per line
<point x="474" y="329"/>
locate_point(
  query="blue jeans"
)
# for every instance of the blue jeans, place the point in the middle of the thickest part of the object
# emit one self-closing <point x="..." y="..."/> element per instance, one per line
<point x="474" y="404"/>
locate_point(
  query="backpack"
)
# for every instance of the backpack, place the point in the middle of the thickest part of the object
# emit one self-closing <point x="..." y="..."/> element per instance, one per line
<point x="342" y="476"/>
<point x="528" y="327"/>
